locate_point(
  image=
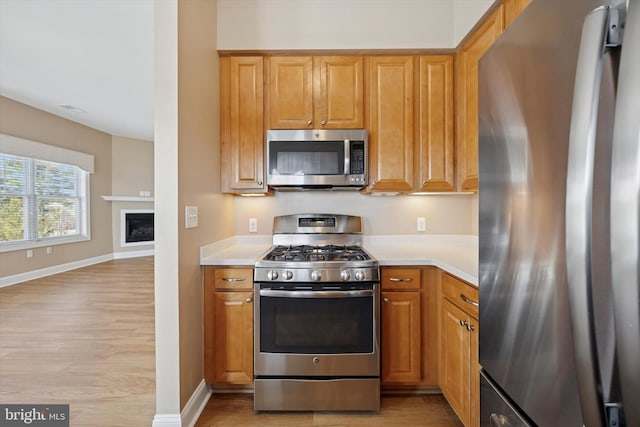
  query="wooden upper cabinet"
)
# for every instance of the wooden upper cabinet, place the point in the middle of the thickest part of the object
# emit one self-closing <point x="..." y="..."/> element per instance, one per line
<point x="339" y="100"/>
<point x="308" y="92"/>
<point x="435" y="146"/>
<point x="390" y="115"/>
<point x="242" y="124"/>
<point x="290" y="92"/>
<point x="513" y="8"/>
<point x="467" y="99"/>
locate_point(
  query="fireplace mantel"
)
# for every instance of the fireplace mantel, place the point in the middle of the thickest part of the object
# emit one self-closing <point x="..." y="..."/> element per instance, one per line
<point x="128" y="198"/>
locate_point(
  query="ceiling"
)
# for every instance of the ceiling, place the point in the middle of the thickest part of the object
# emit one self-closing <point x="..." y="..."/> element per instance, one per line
<point x="94" y="55"/>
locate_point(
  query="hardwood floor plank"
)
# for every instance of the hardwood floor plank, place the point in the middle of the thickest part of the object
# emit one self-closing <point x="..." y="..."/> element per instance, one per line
<point x="84" y="337"/>
<point x="406" y="411"/>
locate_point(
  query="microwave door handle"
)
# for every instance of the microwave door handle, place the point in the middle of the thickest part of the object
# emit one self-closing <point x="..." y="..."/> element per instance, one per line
<point x="578" y="207"/>
<point x="347" y="157"/>
<point x="625" y="213"/>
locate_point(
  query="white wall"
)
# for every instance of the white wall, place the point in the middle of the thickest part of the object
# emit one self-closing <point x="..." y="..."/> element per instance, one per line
<point x="345" y="24"/>
<point x="384" y="215"/>
<point x="466" y="13"/>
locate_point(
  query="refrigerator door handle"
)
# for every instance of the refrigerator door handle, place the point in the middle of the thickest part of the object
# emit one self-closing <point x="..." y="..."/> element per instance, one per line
<point x="625" y="216"/>
<point x="578" y="212"/>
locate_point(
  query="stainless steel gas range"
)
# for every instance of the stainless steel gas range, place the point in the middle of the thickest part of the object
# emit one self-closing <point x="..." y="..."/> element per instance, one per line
<point x="317" y="311"/>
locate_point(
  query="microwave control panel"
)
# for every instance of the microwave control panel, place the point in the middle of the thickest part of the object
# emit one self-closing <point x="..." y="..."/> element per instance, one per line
<point x="357" y="158"/>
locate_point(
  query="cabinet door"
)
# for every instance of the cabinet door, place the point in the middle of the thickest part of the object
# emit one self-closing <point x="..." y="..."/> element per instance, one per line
<point x="455" y="356"/>
<point x="435" y="145"/>
<point x="291" y="92"/>
<point x="467" y="99"/>
<point x="242" y="124"/>
<point x="390" y="122"/>
<point x="339" y="95"/>
<point x="400" y="337"/>
<point x="233" y="337"/>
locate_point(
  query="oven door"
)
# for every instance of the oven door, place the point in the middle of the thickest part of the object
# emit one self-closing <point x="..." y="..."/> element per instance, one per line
<point x="316" y="330"/>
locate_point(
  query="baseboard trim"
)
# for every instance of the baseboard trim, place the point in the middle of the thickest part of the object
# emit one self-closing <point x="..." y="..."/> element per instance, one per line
<point x="196" y="404"/>
<point x="133" y="254"/>
<point x="167" y="420"/>
<point x="60" y="268"/>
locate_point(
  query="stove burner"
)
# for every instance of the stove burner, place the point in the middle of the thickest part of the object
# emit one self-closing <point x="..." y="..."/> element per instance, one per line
<point x="316" y="253"/>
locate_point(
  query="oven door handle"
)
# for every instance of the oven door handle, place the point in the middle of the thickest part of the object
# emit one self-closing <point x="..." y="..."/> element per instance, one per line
<point x="316" y="294"/>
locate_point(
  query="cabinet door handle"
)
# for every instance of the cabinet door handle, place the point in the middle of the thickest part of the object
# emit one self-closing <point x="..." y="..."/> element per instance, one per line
<point x="234" y="279"/>
<point x="398" y="279"/>
<point x="385" y="299"/>
<point x="470" y="327"/>
<point x="259" y="182"/>
<point x="249" y="299"/>
<point x="463" y="323"/>
<point x="309" y="122"/>
<point x="469" y="301"/>
<point x="324" y="122"/>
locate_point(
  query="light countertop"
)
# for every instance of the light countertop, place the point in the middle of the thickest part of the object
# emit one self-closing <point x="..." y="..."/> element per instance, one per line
<point x="456" y="254"/>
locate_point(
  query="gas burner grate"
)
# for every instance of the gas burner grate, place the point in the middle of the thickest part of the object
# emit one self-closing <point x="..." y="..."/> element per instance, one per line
<point x="309" y="253"/>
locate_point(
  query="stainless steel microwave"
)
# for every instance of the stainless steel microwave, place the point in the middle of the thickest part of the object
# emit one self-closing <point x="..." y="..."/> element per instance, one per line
<point x="317" y="159"/>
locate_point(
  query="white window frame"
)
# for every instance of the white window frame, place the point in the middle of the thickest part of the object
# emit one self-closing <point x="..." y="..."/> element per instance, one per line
<point x="37" y="151"/>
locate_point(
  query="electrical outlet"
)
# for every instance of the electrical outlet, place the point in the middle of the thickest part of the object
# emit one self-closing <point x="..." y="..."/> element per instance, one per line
<point x="421" y="224"/>
<point x="253" y="225"/>
<point x="29" y="253"/>
<point x="190" y="216"/>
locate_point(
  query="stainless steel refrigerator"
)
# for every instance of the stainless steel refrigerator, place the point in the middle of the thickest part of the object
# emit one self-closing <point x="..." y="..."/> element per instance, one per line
<point x="559" y="207"/>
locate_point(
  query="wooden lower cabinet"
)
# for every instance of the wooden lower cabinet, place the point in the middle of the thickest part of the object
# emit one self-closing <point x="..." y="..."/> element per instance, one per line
<point x="228" y="325"/>
<point x="408" y="328"/>
<point x="459" y="366"/>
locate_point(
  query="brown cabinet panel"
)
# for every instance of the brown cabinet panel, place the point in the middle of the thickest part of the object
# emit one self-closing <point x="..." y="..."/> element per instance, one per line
<point x="228" y="326"/>
<point x="435" y="144"/>
<point x="393" y="278"/>
<point x="242" y="124"/>
<point x="467" y="99"/>
<point x="390" y="122"/>
<point x="459" y="365"/>
<point x="290" y="92"/>
<point x="339" y="101"/>
<point x="401" y="337"/>
<point x="233" y="320"/>
<point x="455" y="356"/>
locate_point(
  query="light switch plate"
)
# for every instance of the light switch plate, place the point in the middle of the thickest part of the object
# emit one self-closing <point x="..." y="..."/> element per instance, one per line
<point x="190" y="216"/>
<point x="421" y="224"/>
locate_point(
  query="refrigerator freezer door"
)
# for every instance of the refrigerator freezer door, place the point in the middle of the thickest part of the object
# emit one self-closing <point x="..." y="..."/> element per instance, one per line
<point x="495" y="409"/>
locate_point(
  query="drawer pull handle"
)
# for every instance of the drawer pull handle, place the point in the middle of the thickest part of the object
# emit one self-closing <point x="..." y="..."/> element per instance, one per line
<point x="469" y="301"/>
<point x="397" y="279"/>
<point x="234" y="279"/>
<point x="249" y="299"/>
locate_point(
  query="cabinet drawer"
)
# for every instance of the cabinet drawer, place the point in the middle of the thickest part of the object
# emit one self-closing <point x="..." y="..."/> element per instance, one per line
<point x="234" y="278"/>
<point x="400" y="278"/>
<point x="461" y="294"/>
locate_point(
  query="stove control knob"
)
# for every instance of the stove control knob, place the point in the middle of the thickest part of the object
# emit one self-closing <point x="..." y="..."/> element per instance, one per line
<point x="360" y="275"/>
<point x="272" y="275"/>
<point x="315" y="276"/>
<point x="287" y="274"/>
<point x="345" y="274"/>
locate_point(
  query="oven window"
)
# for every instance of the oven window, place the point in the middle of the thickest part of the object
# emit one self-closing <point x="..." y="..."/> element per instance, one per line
<point x="316" y="325"/>
<point x="306" y="158"/>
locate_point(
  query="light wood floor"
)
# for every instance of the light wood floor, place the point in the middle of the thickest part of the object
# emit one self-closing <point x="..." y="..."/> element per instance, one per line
<point x="83" y="337"/>
<point x="406" y="411"/>
<point x="86" y="338"/>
